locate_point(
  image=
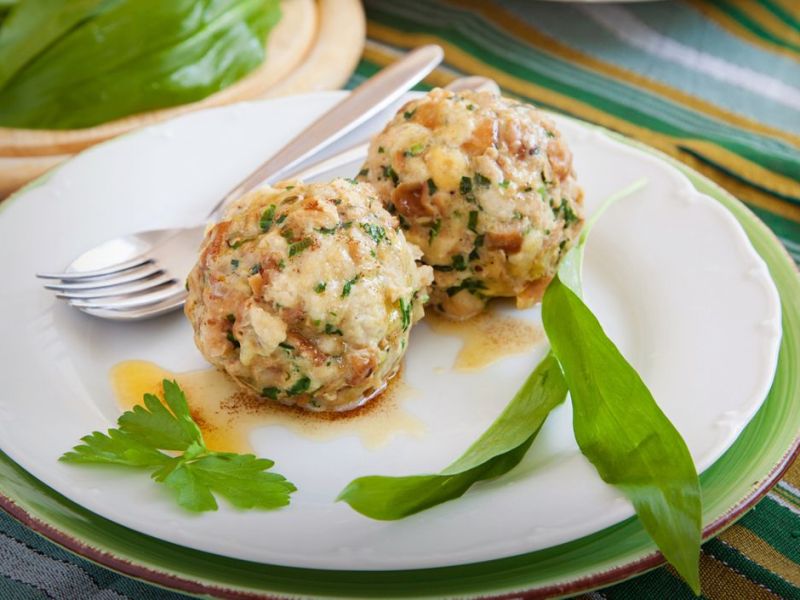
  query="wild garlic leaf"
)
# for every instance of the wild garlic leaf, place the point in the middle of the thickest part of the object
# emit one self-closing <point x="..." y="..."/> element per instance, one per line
<point x="496" y="452"/>
<point x="125" y="57"/>
<point x="622" y="431"/>
<point x="617" y="423"/>
<point x="572" y="264"/>
<point x="499" y="449"/>
<point x="392" y="498"/>
<point x="35" y="24"/>
<point x="195" y="475"/>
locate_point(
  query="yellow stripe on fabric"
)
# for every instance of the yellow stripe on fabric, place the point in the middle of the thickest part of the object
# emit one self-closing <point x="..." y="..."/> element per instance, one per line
<point x="759" y="551"/>
<point x="470" y="64"/>
<point x="378" y="54"/>
<point x="751" y="171"/>
<point x="721" y="18"/>
<point x="740" y="189"/>
<point x="768" y="21"/>
<point x="788" y="5"/>
<point x="507" y="20"/>
<point x="792" y="476"/>
<point x="720" y="582"/>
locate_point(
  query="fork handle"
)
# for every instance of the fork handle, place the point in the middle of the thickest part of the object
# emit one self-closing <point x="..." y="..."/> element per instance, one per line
<point x="363" y="103"/>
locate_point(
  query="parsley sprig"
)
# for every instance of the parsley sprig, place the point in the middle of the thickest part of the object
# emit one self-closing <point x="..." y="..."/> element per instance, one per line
<point x="151" y="436"/>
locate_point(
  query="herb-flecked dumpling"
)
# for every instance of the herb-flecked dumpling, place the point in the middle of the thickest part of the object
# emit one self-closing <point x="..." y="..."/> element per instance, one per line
<point x="306" y="294"/>
<point x="484" y="185"/>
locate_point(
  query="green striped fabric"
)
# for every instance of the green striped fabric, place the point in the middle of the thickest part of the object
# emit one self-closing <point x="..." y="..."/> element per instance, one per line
<point x="713" y="83"/>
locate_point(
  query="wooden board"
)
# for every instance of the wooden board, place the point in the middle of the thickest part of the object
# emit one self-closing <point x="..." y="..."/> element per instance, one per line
<point x="340" y="43"/>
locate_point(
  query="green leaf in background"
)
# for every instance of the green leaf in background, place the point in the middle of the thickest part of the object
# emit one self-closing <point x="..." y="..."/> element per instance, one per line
<point x="618" y="425"/>
<point x="5" y="7"/>
<point x="194" y="476"/>
<point x="78" y="63"/>
<point x="35" y="25"/>
<point x="496" y="452"/>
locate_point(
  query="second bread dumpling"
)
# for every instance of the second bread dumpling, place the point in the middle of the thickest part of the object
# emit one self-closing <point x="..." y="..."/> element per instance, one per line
<point x="484" y="185"/>
<point x="306" y="294"/>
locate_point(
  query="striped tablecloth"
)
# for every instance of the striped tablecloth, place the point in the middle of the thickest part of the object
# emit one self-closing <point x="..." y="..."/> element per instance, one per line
<point x="713" y="83"/>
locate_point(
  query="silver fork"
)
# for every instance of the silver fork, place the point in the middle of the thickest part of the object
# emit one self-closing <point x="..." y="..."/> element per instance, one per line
<point x="142" y="275"/>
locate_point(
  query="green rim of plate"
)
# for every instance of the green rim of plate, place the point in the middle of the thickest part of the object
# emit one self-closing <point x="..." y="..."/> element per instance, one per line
<point x="732" y="485"/>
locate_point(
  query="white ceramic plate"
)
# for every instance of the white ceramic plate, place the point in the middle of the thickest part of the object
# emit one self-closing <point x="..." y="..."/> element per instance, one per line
<point x="669" y="273"/>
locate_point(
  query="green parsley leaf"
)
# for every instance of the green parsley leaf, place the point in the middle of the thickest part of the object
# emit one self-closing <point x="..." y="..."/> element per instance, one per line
<point x="474" y="255"/>
<point x="348" y="285"/>
<point x="390" y="173"/>
<point x="298" y="247"/>
<point x="405" y="313"/>
<point x="232" y="339"/>
<point x="408" y="114"/>
<point x="473" y="286"/>
<point x="566" y="210"/>
<point x="414" y="150"/>
<point x="196" y="475"/>
<point x="320" y="287"/>
<point x="242" y="479"/>
<point x="117" y="448"/>
<point x="432" y="189"/>
<point x="331" y="329"/>
<point x="465" y="187"/>
<point x="271" y="392"/>
<point x="300" y="386"/>
<point x="267" y="217"/>
<point x="376" y="232"/>
<point x="436" y="226"/>
<point x="472" y="223"/>
<point x="482" y="181"/>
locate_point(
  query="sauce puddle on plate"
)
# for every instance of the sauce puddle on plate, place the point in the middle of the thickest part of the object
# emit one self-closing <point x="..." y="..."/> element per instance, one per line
<point x="226" y="414"/>
<point x="487" y="338"/>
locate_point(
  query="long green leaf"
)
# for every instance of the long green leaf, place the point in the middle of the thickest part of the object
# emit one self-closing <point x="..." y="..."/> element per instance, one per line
<point x="496" y="452"/>
<point x="617" y="423"/>
<point x="622" y="431"/>
<point x="138" y="55"/>
<point x="35" y="24"/>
